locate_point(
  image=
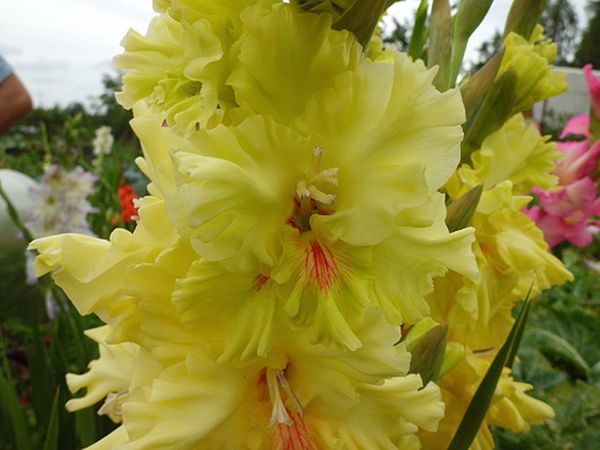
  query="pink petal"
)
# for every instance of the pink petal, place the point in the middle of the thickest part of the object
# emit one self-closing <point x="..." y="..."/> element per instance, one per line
<point x="579" y="125"/>
<point x="594" y="87"/>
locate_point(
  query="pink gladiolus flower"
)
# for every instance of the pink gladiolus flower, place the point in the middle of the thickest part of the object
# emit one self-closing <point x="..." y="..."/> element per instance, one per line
<point x="594" y="87"/>
<point x="578" y="125"/>
<point x="578" y="161"/>
<point x="565" y="214"/>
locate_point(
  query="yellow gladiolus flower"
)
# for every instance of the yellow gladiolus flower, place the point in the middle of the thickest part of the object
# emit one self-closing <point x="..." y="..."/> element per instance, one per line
<point x="512" y="256"/>
<point x="176" y="69"/>
<point x="531" y="60"/>
<point x="109" y="376"/>
<point x="307" y="205"/>
<point x="515" y="152"/>
<point x="301" y="396"/>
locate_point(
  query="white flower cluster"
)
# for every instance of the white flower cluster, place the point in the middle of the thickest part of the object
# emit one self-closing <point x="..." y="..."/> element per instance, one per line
<point x="102" y="143"/>
<point x="59" y="201"/>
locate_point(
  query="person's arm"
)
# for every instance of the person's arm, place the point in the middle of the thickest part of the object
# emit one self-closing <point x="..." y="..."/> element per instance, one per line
<point x="15" y="102"/>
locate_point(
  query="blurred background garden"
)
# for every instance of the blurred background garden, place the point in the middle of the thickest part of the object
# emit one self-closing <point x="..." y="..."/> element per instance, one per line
<point x="87" y="149"/>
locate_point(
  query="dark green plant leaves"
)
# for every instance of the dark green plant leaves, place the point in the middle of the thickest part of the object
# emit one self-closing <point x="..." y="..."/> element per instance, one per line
<point x="11" y="412"/>
<point x="51" y="442"/>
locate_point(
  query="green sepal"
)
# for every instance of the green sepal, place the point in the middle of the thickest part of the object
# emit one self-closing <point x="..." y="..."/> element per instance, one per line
<point x="496" y="108"/>
<point x="361" y="18"/>
<point x="440" y="43"/>
<point x="476" y="86"/>
<point x="468" y="17"/>
<point x="460" y="212"/>
<point x="428" y="353"/>
<point x="523" y="17"/>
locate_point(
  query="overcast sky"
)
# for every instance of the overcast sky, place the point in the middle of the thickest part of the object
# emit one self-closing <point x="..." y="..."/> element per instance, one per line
<point x="61" y="48"/>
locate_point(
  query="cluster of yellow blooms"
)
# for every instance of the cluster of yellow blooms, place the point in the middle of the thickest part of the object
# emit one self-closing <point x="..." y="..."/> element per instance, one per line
<point x="294" y="232"/>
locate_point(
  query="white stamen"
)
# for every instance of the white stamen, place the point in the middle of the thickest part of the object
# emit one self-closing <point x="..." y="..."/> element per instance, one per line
<point x="302" y="191"/>
<point x="308" y="188"/>
<point x="112" y="405"/>
<point x="290" y="392"/>
<point x="320" y="196"/>
<point x="279" y="414"/>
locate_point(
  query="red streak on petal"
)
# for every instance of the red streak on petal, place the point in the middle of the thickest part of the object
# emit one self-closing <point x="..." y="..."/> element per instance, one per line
<point x="261" y="386"/>
<point x="260" y="281"/>
<point x="293" y="437"/>
<point x="320" y="265"/>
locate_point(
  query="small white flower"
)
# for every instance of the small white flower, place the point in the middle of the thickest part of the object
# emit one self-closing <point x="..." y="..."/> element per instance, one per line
<point x="103" y="141"/>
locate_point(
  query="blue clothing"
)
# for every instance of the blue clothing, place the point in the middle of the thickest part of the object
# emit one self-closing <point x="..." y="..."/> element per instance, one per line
<point x="5" y="69"/>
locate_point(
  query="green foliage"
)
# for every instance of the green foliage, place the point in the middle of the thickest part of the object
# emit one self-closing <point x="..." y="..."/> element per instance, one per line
<point x="35" y="353"/>
<point x="560" y="356"/>
<point x="32" y="384"/>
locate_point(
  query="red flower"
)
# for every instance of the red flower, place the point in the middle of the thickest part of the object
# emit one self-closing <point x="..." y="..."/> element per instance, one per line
<point x="126" y="196"/>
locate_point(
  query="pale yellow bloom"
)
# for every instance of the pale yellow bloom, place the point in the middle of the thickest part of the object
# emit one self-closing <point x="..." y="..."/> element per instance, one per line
<point x="515" y="152"/>
<point x="302" y="396"/>
<point x="531" y="61"/>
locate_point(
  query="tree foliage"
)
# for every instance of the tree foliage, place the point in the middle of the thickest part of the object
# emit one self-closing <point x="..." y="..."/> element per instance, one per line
<point x="560" y="24"/>
<point x="589" y="48"/>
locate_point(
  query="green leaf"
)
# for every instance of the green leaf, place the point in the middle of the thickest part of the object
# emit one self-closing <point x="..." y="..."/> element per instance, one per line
<point x="14" y="412"/>
<point x="480" y="403"/>
<point x="460" y="212"/>
<point x="440" y="43"/>
<point x="419" y="31"/>
<point x="86" y="426"/>
<point x="523" y="17"/>
<point x="510" y="360"/>
<point x="559" y="348"/>
<point x="41" y="376"/>
<point x="361" y="19"/>
<point x="51" y="442"/>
